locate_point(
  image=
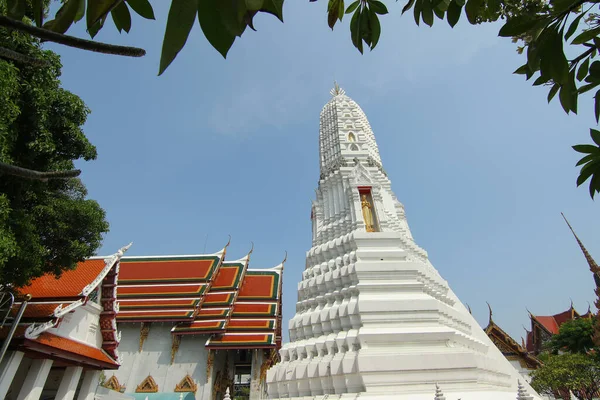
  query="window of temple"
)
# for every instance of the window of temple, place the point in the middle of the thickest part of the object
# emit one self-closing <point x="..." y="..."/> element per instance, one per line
<point x="368" y="209"/>
<point x="241" y="380"/>
<point x="351" y="137"/>
<point x="354" y="147"/>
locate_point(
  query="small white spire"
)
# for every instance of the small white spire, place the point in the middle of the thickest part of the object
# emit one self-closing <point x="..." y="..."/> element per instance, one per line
<point x="227" y="397"/>
<point x="522" y="393"/>
<point x="438" y="393"/>
<point x="337" y="90"/>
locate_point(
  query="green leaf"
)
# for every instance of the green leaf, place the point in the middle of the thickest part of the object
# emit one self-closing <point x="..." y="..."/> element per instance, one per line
<point x="179" y="24"/>
<point x="583" y="69"/>
<point x="553" y="62"/>
<point x="553" y="92"/>
<point x="64" y="17"/>
<point x="427" y="12"/>
<point x="355" y="33"/>
<point x="375" y="28"/>
<point x="212" y="26"/>
<point x="121" y="17"/>
<point x="417" y="10"/>
<point x="352" y="7"/>
<point x="586" y="35"/>
<point x="333" y="10"/>
<point x="97" y="10"/>
<point x="365" y="27"/>
<point x="80" y="11"/>
<point x="573" y="26"/>
<point x="595" y="182"/>
<point x="273" y="7"/>
<point x="473" y="10"/>
<point x="254" y="5"/>
<point x="541" y="80"/>
<point x="517" y="25"/>
<point x="586" y="159"/>
<point x="586" y="148"/>
<point x="142" y="7"/>
<point x="454" y="11"/>
<point x="522" y="70"/>
<point x="408" y="6"/>
<point x="558" y="6"/>
<point x="38" y="11"/>
<point x="595" y="135"/>
<point x="588" y="87"/>
<point x="597" y="105"/>
<point x="378" y="7"/>
<point x="96" y="27"/>
<point x="16" y="8"/>
<point x="494" y="6"/>
<point x="585" y="173"/>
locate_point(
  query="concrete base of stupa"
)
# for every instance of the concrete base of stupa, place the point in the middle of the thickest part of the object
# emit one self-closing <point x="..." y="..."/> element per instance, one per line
<point x="393" y="332"/>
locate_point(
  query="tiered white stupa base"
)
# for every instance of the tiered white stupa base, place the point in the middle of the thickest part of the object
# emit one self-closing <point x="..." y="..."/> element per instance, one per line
<point x="377" y="322"/>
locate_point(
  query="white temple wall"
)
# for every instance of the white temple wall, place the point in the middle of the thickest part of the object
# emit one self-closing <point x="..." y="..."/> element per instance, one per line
<point x="81" y="324"/>
<point x="155" y="359"/>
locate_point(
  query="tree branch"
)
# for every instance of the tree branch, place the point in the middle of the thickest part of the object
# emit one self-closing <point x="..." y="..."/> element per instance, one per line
<point x="37" y="175"/>
<point x="71" y="41"/>
<point x="22" y="58"/>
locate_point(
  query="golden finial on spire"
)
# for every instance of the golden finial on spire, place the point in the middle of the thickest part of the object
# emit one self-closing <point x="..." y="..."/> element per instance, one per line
<point x="337" y="90"/>
<point x="594" y="268"/>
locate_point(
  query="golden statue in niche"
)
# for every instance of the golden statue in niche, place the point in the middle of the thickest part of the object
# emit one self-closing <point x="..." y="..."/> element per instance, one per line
<point x="367" y="213"/>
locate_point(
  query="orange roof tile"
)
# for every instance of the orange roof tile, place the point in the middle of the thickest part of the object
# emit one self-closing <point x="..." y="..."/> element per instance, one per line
<point x="167" y="269"/>
<point x="38" y="310"/>
<point x="237" y="340"/>
<point x="259" y="285"/>
<point x="70" y="283"/>
<point x="72" y="346"/>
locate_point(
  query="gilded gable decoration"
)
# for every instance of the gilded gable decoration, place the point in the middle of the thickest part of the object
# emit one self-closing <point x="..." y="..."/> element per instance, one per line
<point x="144" y="331"/>
<point x="113" y="384"/>
<point x="175" y="347"/>
<point x="187" y="384"/>
<point x="148" y="385"/>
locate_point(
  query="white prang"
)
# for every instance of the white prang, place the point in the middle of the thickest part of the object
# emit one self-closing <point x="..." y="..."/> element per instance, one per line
<point x="374" y="318"/>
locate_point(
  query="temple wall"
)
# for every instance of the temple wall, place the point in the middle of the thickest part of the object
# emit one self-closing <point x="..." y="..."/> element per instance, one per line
<point x="82" y="325"/>
<point x="155" y="359"/>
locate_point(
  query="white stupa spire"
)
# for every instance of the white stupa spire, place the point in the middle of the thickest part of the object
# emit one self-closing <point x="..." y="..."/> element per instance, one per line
<point x="374" y="319"/>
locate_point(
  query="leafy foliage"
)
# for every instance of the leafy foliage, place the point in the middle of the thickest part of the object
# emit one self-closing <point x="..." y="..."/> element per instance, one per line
<point x="544" y="26"/>
<point x="579" y="373"/>
<point x="45" y="227"/>
<point x="573" y="337"/>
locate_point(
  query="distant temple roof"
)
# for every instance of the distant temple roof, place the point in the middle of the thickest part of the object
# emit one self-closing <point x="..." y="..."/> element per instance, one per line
<point x="203" y="294"/>
<point x="509" y="347"/>
<point x="551" y="324"/>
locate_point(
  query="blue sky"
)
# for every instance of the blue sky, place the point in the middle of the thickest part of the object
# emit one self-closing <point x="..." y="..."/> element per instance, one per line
<point x="220" y="147"/>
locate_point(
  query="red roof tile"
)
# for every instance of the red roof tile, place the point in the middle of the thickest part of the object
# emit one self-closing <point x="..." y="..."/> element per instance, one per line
<point x="549" y="323"/>
<point x="70" y="283"/>
<point x="564" y="317"/>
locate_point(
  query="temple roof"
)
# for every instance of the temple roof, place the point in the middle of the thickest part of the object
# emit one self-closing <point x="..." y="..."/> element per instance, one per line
<point x="509" y="347"/>
<point x="53" y="297"/>
<point x="204" y="294"/>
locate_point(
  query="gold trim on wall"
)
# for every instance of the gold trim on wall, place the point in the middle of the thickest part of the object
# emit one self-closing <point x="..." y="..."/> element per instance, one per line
<point x="148" y="385"/>
<point x="187" y="384"/>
